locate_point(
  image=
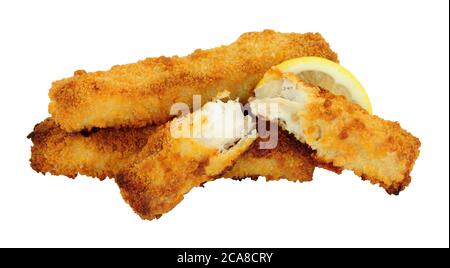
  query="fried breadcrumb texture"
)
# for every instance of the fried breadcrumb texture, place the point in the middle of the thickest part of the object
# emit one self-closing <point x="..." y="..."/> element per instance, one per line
<point x="99" y="153"/>
<point x="290" y="160"/>
<point x="107" y="152"/>
<point x="158" y="183"/>
<point x="142" y="93"/>
<point x="342" y="134"/>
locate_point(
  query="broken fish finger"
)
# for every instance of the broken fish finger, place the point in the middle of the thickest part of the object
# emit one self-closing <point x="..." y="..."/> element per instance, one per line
<point x="175" y="164"/>
<point x="341" y="133"/>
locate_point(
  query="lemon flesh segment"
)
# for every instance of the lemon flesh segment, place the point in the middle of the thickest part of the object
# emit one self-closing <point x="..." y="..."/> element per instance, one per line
<point x="325" y="74"/>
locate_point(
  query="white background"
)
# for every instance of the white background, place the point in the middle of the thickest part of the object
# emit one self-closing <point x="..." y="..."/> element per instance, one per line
<point x="398" y="50"/>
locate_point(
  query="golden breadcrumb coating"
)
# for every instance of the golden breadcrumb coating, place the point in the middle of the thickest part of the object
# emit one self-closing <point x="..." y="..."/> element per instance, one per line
<point x="157" y="184"/>
<point x="142" y="93"/>
<point x="343" y="134"/>
<point x="290" y="160"/>
<point x="106" y="152"/>
<point x="100" y="153"/>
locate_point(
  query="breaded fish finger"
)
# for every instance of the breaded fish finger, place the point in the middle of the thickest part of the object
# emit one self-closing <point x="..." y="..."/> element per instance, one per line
<point x="142" y="93"/>
<point x="107" y="152"/>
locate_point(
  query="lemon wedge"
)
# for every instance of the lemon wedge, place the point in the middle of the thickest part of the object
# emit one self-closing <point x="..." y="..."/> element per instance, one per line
<point x="325" y="74"/>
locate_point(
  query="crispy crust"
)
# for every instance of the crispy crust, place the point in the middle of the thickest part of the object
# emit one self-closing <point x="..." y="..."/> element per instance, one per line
<point x="142" y="93"/>
<point x="290" y="160"/>
<point x="158" y="183"/>
<point x="102" y="153"/>
<point x="344" y="135"/>
<point x="377" y="150"/>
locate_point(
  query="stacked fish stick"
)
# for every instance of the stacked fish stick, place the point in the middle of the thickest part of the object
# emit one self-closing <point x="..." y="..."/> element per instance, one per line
<point x="120" y="124"/>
